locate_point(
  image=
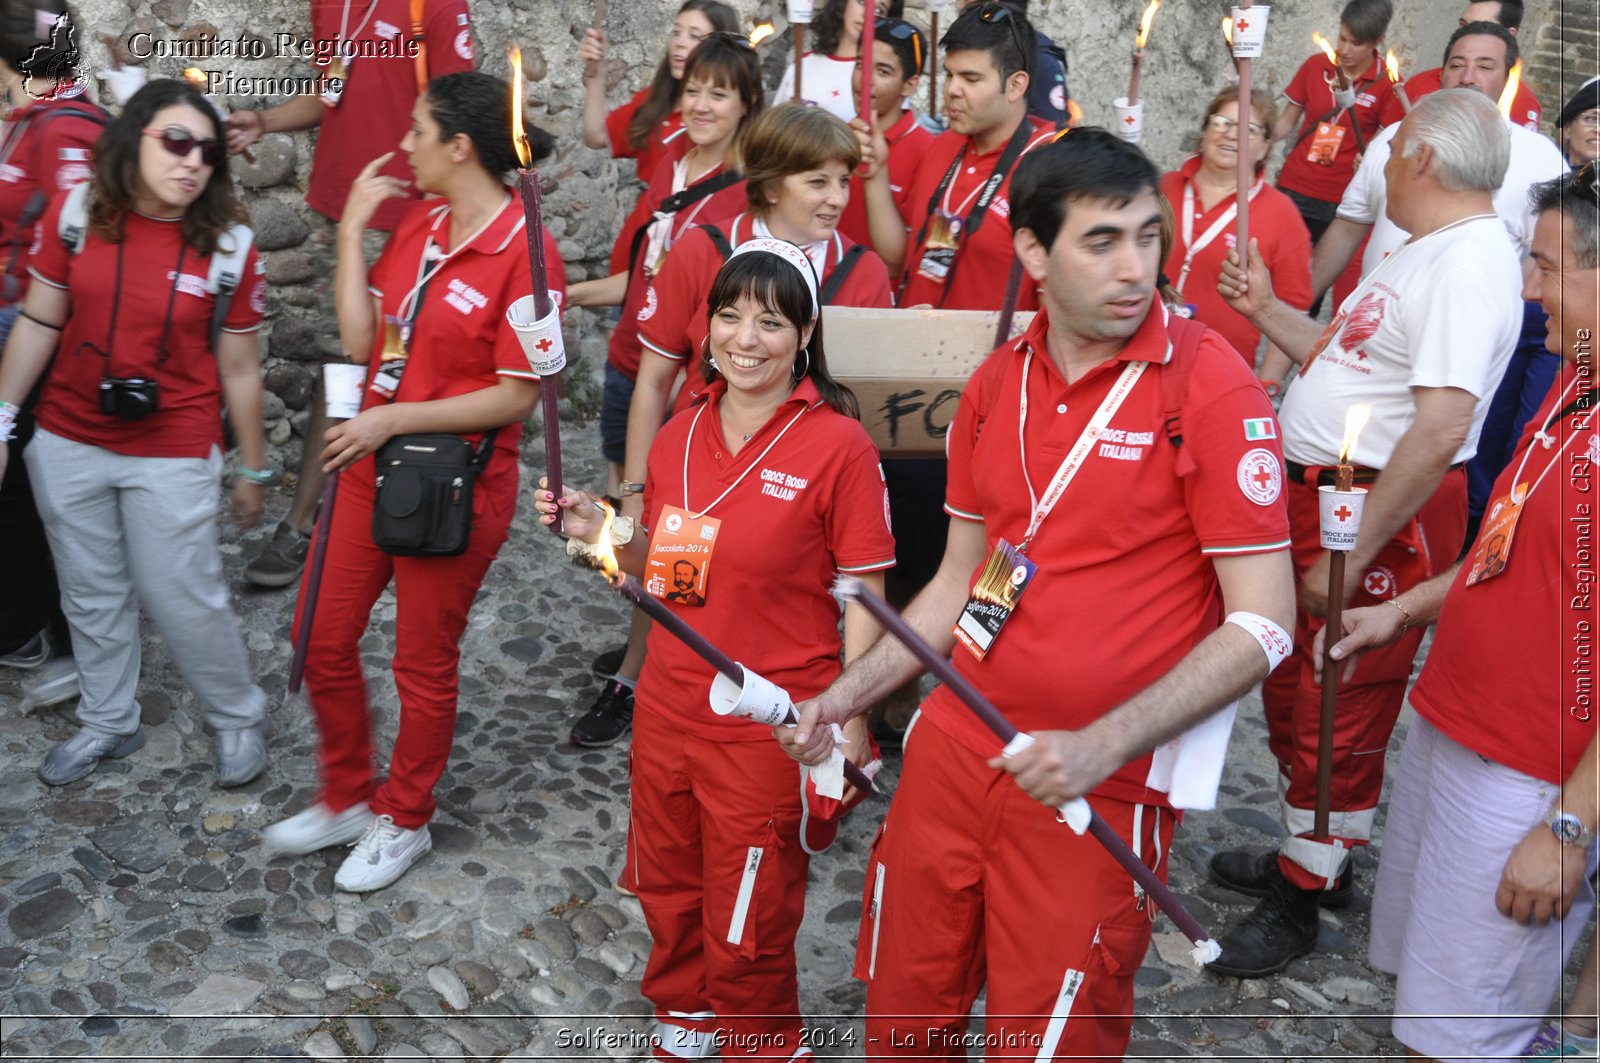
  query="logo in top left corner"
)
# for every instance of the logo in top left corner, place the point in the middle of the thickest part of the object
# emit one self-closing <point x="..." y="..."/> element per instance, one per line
<point x="49" y="70"/>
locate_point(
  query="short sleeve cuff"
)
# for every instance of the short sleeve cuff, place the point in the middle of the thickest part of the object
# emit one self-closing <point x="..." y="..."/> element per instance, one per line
<point x="671" y="356"/>
<point x="46" y="280"/>
<point x="1224" y="549"/>
<point x="873" y="566"/>
<point x="976" y="518"/>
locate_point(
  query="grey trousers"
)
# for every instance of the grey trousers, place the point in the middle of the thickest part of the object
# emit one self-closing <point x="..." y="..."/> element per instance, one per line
<point x="127" y="531"/>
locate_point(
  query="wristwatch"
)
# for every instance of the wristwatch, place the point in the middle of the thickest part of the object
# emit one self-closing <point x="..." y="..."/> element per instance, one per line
<point x="1569" y="829"/>
<point x="629" y="487"/>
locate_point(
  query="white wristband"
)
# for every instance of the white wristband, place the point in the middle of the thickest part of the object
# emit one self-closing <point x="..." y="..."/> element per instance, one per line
<point x="1275" y="642"/>
<point x="8" y="422"/>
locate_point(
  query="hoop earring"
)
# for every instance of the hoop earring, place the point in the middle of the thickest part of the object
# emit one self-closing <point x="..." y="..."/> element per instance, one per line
<point x="705" y="353"/>
<point x="801" y="373"/>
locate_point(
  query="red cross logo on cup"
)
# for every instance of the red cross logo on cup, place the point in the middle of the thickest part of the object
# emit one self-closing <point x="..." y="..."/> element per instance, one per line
<point x="1242" y="26"/>
<point x="1343" y="513"/>
<point x="1128" y="120"/>
<point x="544" y="345"/>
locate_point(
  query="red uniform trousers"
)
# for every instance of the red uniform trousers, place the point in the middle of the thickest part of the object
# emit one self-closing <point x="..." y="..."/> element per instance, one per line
<point x="1369" y="703"/>
<point x="969" y="879"/>
<point x="432" y="597"/>
<point x="721" y="875"/>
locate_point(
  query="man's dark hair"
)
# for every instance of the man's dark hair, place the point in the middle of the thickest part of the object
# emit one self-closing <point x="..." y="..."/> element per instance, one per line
<point x="1510" y="15"/>
<point x="1086" y="163"/>
<point x="910" y="48"/>
<point x="1576" y="196"/>
<point x="1366" y="20"/>
<point x="1484" y="29"/>
<point x="999" y="29"/>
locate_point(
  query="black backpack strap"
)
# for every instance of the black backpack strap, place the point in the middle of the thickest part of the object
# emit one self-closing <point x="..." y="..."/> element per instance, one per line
<point x="34" y="209"/>
<point x="724" y="248"/>
<point x="1185" y="336"/>
<point x="671" y="205"/>
<point x="840" y="274"/>
<point x="484" y="451"/>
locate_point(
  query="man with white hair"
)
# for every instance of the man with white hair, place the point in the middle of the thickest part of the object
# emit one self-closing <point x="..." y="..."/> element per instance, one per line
<point x="1422" y="341"/>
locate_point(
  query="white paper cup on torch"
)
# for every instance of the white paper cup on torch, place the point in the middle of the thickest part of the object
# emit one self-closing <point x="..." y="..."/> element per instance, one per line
<point x="758" y="699"/>
<point x="541" y="339"/>
<point x="1341" y="516"/>
<point x="342" y="385"/>
<point x="1249" y="31"/>
<point x="800" y="11"/>
<point x="1129" y="119"/>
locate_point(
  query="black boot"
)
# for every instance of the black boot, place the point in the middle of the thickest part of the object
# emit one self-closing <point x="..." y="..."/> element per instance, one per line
<point x="1249" y="873"/>
<point x="1282" y="928"/>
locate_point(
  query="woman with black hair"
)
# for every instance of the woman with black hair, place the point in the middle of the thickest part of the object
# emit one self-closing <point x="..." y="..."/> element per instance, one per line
<point x="644" y="128"/>
<point x="826" y="70"/>
<point x="776" y="474"/>
<point x="128" y="324"/>
<point x="430" y="322"/>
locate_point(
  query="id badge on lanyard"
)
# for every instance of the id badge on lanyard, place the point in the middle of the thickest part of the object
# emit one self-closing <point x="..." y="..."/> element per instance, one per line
<point x="939" y="252"/>
<point x="392" y="363"/>
<point x="337" y="77"/>
<point x="1324" y="145"/>
<point x="994" y="598"/>
<point x="1493" y="548"/>
<point x="678" y="567"/>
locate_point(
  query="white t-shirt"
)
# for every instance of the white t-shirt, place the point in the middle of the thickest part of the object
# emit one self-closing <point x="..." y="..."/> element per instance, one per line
<point x="825" y="80"/>
<point x="1442" y="311"/>
<point x="1534" y="158"/>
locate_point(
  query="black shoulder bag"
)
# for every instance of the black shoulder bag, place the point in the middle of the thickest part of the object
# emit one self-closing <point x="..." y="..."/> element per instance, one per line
<point x="424" y="485"/>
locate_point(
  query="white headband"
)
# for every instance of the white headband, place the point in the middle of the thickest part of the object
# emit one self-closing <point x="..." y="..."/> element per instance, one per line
<point x="790" y="254"/>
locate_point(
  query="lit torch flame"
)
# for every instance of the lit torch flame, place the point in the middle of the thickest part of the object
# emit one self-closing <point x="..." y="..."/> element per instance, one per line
<point x="603" y="552"/>
<point x="1509" y="93"/>
<point x="1393" y="66"/>
<point x="1074" y="114"/>
<point x="1327" y="49"/>
<point x="1227" y="30"/>
<point x="1144" y="22"/>
<point x="519" y="139"/>
<point x="1355" y="419"/>
<point x="195" y="76"/>
<point x="760" y="33"/>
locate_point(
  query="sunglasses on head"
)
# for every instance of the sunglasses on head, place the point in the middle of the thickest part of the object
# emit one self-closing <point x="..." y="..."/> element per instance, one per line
<point x="730" y="37"/>
<point x="997" y="13"/>
<point x="180" y="142"/>
<point x="1586" y="181"/>
<point x="897" y="30"/>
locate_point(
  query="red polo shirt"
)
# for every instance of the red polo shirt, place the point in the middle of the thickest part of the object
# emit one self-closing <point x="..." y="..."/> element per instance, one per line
<point x="909" y="140"/>
<point x="1125" y="585"/>
<point x="648" y="157"/>
<point x="673" y="321"/>
<point x="1309" y="90"/>
<point x="1275" y="223"/>
<point x="812" y="506"/>
<point x="188" y="422"/>
<point x="45" y="148"/>
<point x="374" y="112"/>
<point x="1508" y="651"/>
<point x="984" y="260"/>
<point x="1525" y="109"/>
<point x="624" y="350"/>
<point x="461" y="341"/>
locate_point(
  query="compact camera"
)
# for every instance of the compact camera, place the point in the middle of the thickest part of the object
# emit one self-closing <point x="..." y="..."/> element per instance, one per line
<point x="129" y="398"/>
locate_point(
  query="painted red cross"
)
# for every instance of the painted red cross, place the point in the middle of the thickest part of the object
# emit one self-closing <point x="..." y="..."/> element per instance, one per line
<point x="1262" y="476"/>
<point x="544" y="345"/>
<point x="1344" y="513"/>
<point x="1242" y="26"/>
<point x="1128" y="120"/>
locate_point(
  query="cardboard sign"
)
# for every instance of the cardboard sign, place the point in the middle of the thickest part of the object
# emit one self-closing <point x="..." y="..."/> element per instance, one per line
<point x="909" y="367"/>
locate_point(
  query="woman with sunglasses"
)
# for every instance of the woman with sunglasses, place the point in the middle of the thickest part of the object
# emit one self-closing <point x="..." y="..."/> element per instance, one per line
<point x="429" y="320"/>
<point x="120" y="324"/>
<point x="775" y="464"/>
<point x="1203" y="194"/>
<point x="643" y="128"/>
<point x="798" y="162"/>
<point x="825" y="71"/>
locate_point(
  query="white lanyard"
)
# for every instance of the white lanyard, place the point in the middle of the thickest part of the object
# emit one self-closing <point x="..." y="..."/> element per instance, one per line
<point x="759" y="458"/>
<point x="1080" y="451"/>
<point x="1541" y="436"/>
<point x="344" y="20"/>
<point x="1192" y="246"/>
<point x="424" y="275"/>
<point x="965" y="203"/>
<point x="662" y="234"/>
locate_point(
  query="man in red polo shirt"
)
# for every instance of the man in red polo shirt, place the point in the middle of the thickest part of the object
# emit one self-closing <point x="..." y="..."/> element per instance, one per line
<point x="1525" y="109"/>
<point x="1079" y="410"/>
<point x="898" y="52"/>
<point x="1332" y="128"/>
<point x="952" y="248"/>
<point x="397" y="47"/>
<point x="1422" y="342"/>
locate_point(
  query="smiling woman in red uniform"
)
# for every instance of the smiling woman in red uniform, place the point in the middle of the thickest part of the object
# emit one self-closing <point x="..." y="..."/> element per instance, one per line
<point x="774" y="462"/>
<point x="1203" y="194"/>
<point x="452" y="268"/>
<point x="125" y="461"/>
<point x="798" y="162"/>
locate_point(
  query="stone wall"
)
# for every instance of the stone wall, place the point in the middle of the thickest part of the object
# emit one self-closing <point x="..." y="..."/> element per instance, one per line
<point x="587" y="194"/>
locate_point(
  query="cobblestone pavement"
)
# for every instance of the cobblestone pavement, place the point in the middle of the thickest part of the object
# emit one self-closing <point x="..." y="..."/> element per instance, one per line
<point x="142" y="920"/>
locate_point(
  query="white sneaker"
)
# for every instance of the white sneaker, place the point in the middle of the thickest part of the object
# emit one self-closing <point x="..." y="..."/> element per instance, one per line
<point x="382" y="855"/>
<point x="316" y="828"/>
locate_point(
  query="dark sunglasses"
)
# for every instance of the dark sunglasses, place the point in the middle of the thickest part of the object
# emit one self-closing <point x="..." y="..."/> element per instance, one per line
<point x="898" y="30"/>
<point x="181" y="142"/>
<point x="996" y="13"/>
<point x="1586" y="181"/>
<point x="731" y="38"/>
